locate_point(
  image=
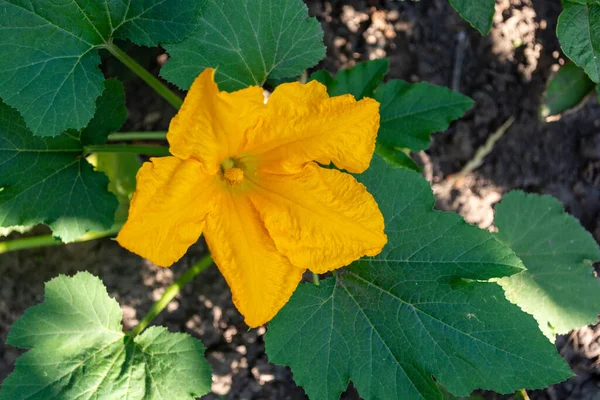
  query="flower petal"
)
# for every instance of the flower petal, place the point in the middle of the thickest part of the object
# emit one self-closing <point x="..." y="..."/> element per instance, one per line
<point x="321" y="219"/>
<point x="168" y="210"/>
<point x="211" y="125"/>
<point x="304" y="124"/>
<point x="260" y="277"/>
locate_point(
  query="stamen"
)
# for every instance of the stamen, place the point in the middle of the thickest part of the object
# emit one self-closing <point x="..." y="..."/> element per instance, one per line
<point x="234" y="175"/>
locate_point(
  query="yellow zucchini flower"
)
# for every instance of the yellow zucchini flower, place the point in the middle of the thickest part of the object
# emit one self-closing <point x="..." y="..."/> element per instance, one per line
<point x="244" y="172"/>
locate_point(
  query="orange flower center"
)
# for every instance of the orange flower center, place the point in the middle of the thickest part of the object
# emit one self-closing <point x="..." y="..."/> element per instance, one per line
<point x="231" y="172"/>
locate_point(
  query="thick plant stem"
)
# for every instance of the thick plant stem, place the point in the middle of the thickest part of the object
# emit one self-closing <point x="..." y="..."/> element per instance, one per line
<point x="123" y="136"/>
<point x="171" y="292"/>
<point x="157" y="151"/>
<point x="146" y="76"/>
<point x="49" y="240"/>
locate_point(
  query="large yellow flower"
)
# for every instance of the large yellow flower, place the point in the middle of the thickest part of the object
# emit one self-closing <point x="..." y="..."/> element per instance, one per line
<point x="243" y="172"/>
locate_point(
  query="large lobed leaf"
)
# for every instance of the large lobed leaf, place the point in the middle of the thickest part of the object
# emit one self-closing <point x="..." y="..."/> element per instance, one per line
<point x="579" y="33"/>
<point x="247" y="41"/>
<point x="410" y="113"/>
<point x="47" y="180"/>
<point x="559" y="287"/>
<point x="79" y="351"/>
<point x="51" y="76"/>
<point x="420" y="309"/>
<point x="479" y="13"/>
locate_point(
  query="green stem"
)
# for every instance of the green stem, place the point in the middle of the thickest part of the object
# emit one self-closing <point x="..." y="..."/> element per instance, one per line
<point x="146" y="76"/>
<point x="157" y="151"/>
<point x="316" y="279"/>
<point x="171" y="292"/>
<point x="123" y="136"/>
<point x="49" y="240"/>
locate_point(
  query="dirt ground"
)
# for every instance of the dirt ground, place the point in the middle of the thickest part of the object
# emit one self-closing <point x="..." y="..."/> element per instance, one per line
<point x="504" y="72"/>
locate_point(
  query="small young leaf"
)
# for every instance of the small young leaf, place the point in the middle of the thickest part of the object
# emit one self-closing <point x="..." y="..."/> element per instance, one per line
<point x="479" y="13"/>
<point x="396" y="158"/>
<point x="559" y="287"/>
<point x="567" y="88"/>
<point x="51" y="76"/>
<point x="79" y="351"/>
<point x="121" y="169"/>
<point x="418" y="309"/>
<point x="359" y="81"/>
<point x="410" y="113"/>
<point x="247" y="42"/>
<point x="578" y="31"/>
<point x="47" y="180"/>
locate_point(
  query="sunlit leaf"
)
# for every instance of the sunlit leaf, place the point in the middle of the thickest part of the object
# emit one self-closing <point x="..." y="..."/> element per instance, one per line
<point x="78" y="351"/>
<point x="51" y="76"/>
<point x="121" y="169"/>
<point x="579" y="33"/>
<point x="247" y="41"/>
<point x="420" y="309"/>
<point x="559" y="287"/>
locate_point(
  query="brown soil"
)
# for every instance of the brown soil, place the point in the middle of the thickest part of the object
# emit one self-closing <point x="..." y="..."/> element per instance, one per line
<point x="504" y="72"/>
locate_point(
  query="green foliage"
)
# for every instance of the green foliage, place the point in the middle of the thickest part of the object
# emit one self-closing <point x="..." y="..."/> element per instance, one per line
<point x="359" y="81"/>
<point x="567" y="88"/>
<point x="559" y="287"/>
<point x="121" y="169"/>
<point x="51" y="76"/>
<point x="420" y="308"/>
<point x="248" y="42"/>
<point x="579" y="34"/>
<point x="410" y="113"/>
<point x="479" y="13"/>
<point x="47" y="180"/>
<point x="79" y="351"/>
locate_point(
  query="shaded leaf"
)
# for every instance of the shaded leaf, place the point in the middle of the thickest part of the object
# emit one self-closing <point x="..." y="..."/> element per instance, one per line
<point x="359" y="81"/>
<point x="567" y="89"/>
<point x="579" y="33"/>
<point x="247" y="41"/>
<point x="47" y="180"/>
<point x="410" y="113"/>
<point x="559" y="287"/>
<point x="418" y="309"/>
<point x="396" y="157"/>
<point x="79" y="351"/>
<point x="52" y="76"/>
<point x="479" y="13"/>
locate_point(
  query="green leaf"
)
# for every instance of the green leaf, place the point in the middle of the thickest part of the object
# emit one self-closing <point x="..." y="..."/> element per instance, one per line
<point x="47" y="180"/>
<point x="479" y="13"/>
<point x="79" y="351"/>
<point x="578" y="31"/>
<point x="410" y="113"/>
<point x="559" y="287"/>
<point x="396" y="158"/>
<point x="567" y="89"/>
<point x="51" y="76"/>
<point x="359" y="81"/>
<point x="248" y="42"/>
<point x="121" y="169"/>
<point x="5" y="231"/>
<point x="418" y="309"/>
